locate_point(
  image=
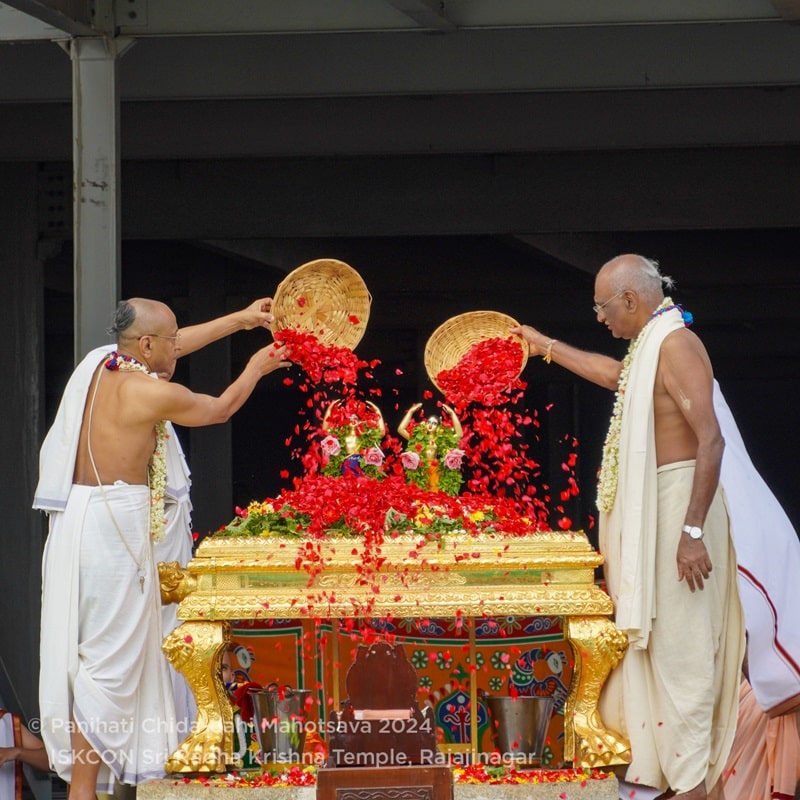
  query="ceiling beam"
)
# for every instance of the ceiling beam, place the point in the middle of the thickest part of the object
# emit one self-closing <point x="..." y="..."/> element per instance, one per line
<point x="418" y="195"/>
<point x="788" y="9"/>
<point x="427" y="14"/>
<point x="762" y="54"/>
<point x="73" y="17"/>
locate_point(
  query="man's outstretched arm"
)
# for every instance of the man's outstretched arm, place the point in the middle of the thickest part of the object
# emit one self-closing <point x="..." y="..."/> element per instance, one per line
<point x="594" y="367"/>
<point x="256" y="315"/>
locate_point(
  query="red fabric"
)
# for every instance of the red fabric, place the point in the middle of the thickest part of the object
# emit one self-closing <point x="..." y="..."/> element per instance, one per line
<point x="241" y="697"/>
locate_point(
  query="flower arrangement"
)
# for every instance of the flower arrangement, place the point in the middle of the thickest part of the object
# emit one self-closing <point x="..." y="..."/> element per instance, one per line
<point x="433" y="459"/>
<point x="353" y="505"/>
<point x="358" y="481"/>
<point x="354" y="431"/>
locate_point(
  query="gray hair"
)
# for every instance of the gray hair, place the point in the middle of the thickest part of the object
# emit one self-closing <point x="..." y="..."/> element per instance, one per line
<point x="124" y="317"/>
<point x="641" y="275"/>
<point x="652" y="273"/>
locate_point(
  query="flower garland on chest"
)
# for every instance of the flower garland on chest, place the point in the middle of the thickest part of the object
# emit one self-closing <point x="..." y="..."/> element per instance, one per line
<point x="157" y="468"/>
<point x="609" y="466"/>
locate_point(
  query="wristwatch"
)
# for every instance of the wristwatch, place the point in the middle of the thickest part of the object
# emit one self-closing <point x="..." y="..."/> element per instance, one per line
<point x="693" y="531"/>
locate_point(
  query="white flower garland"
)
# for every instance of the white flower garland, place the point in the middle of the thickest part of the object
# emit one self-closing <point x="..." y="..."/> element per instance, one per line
<point x="609" y="466"/>
<point x="158" y="483"/>
<point x="157" y="468"/>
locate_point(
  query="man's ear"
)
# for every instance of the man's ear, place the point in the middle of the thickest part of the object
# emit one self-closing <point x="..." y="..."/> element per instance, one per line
<point x="144" y="345"/>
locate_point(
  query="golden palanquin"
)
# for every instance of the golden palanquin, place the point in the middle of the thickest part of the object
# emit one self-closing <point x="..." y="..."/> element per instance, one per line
<point x="452" y="576"/>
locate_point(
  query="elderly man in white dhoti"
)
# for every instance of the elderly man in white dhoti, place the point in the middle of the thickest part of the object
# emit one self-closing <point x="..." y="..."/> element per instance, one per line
<point x="664" y="526"/>
<point x="105" y="694"/>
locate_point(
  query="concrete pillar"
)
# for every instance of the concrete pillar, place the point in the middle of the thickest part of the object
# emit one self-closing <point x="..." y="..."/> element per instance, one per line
<point x="96" y="168"/>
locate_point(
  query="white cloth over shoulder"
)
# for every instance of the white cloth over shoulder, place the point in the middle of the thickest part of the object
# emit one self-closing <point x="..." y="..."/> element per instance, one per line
<point x="60" y="446"/>
<point x="628" y="531"/>
<point x="768" y="555"/>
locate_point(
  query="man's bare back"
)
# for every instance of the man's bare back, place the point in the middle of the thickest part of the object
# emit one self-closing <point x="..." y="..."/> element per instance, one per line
<point x="121" y="446"/>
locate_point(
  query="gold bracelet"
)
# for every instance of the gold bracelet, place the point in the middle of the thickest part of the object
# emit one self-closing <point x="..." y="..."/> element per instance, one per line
<point x="548" y="353"/>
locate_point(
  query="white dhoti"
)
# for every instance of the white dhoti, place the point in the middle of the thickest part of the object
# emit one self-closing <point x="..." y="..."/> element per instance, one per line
<point x="105" y="626"/>
<point x="681" y="729"/>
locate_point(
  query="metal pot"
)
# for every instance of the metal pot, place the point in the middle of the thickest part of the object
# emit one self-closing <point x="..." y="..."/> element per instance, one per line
<point x="519" y="726"/>
<point x="279" y="714"/>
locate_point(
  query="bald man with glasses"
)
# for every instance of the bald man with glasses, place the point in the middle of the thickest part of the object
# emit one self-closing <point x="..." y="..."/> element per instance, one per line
<point x="105" y="693"/>
<point x="665" y="535"/>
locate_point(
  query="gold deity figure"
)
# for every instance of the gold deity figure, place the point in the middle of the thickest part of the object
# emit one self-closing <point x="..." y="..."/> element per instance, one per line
<point x="354" y="460"/>
<point x="432" y="444"/>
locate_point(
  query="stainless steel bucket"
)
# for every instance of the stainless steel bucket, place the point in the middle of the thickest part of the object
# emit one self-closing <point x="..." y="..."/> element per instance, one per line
<point x="279" y="714"/>
<point x="519" y="726"/>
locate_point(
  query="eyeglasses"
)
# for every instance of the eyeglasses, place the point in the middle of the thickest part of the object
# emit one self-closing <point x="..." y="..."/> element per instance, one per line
<point x="176" y="338"/>
<point x="598" y="307"/>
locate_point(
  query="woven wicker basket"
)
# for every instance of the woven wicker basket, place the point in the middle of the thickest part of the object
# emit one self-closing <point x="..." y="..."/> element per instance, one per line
<point x="325" y="297"/>
<point x="452" y="340"/>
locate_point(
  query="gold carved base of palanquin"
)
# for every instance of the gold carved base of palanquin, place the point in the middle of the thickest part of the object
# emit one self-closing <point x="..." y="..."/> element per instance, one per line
<point x="452" y="576"/>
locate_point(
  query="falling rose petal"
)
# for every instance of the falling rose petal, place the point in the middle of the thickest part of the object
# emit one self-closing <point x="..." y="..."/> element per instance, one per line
<point x="488" y="369"/>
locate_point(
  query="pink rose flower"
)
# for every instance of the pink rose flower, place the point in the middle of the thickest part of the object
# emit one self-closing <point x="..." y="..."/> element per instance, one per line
<point x="330" y="446"/>
<point x="374" y="457"/>
<point x="453" y="458"/>
<point x="409" y="459"/>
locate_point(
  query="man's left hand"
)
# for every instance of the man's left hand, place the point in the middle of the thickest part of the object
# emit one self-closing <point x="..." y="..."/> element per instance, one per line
<point x="258" y="314"/>
<point x="694" y="563"/>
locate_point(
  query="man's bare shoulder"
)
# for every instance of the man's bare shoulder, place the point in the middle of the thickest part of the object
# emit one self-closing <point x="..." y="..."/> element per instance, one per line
<point x="147" y="399"/>
<point x="684" y="367"/>
<point x="683" y="344"/>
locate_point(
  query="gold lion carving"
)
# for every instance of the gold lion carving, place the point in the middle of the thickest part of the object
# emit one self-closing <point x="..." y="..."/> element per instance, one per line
<point x="598" y="647"/>
<point x="194" y="649"/>
<point x="175" y="582"/>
